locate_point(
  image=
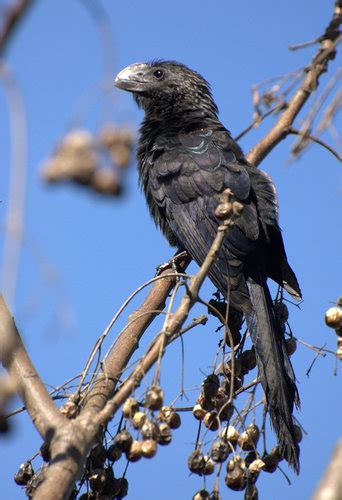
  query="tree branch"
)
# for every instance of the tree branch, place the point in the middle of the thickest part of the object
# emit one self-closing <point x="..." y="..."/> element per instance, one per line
<point x="318" y="66"/>
<point x="14" y="15"/>
<point x="330" y="486"/>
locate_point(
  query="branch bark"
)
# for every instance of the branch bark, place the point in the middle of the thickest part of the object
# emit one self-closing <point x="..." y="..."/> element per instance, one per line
<point x="330" y="486"/>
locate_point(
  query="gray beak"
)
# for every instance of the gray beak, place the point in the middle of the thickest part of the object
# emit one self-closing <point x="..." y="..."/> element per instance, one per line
<point x="132" y="78"/>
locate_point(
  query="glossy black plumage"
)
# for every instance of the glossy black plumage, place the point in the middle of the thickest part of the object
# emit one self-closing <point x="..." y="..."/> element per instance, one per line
<point x="186" y="158"/>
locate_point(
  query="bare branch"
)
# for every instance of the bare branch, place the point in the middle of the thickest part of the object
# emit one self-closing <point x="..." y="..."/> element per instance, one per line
<point x="15" y="13"/>
<point x="330" y="486"/>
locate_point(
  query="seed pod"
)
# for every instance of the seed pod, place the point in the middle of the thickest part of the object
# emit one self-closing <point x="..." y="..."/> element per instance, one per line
<point x="238" y="383"/>
<point x="220" y="451"/>
<point x="135" y="452"/>
<point x="227" y="368"/>
<point x="122" y="487"/>
<point x="97" y="456"/>
<point x="149" y="448"/>
<point x="24" y="474"/>
<point x="250" y="457"/>
<point x="333" y="317"/>
<point x="248" y="360"/>
<point x="114" y="453"/>
<point x="205" y="402"/>
<point x="138" y="420"/>
<point x="281" y="312"/>
<point x="291" y="345"/>
<point x="196" y="462"/>
<point x="249" y="438"/>
<point x="236" y="339"/>
<point x="198" y="412"/>
<point x="130" y="407"/>
<point x="298" y="433"/>
<point x="251" y="492"/>
<point x="277" y="452"/>
<point x="164" y="435"/>
<point x="210" y="385"/>
<point x="235" y="321"/>
<point x="271" y="462"/>
<point x="123" y="440"/>
<point x="69" y="409"/>
<point x="211" y="421"/>
<point x="236" y="477"/>
<point x="230" y="434"/>
<point x="150" y="430"/>
<point x="168" y="415"/>
<point x="154" y="397"/>
<point x="223" y="408"/>
<point x="98" y="479"/>
<point x="209" y="466"/>
<point x="254" y="470"/>
<point x="201" y="495"/>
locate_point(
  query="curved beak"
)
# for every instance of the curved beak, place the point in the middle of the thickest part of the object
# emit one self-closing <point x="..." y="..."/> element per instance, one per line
<point x="132" y="78"/>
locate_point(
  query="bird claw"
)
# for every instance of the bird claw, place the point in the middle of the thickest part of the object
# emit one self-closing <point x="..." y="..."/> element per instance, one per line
<point x="172" y="263"/>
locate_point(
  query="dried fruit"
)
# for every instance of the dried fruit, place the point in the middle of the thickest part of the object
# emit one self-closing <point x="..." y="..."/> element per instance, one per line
<point x="114" y="453"/>
<point x="211" y="421"/>
<point x="196" y="462"/>
<point x="210" y="385"/>
<point x="130" y="407"/>
<point x="206" y="403"/>
<point x="220" y="451"/>
<point x="154" y="397"/>
<point x="106" y="181"/>
<point x="249" y="438"/>
<point x="248" y="360"/>
<point x="209" y="466"/>
<point x="198" y="412"/>
<point x="271" y="462"/>
<point x="291" y="345"/>
<point x="254" y="470"/>
<point x="333" y="317"/>
<point x="150" y="430"/>
<point x="165" y="434"/>
<point x="122" y="487"/>
<point x="135" y="452"/>
<point x="236" y="477"/>
<point x="230" y="434"/>
<point x="138" y="420"/>
<point x="149" y="448"/>
<point x="298" y="433"/>
<point x="98" y="479"/>
<point x="201" y="495"/>
<point x="24" y="473"/>
<point x="281" y="312"/>
<point x="168" y="415"/>
<point x="123" y="440"/>
<point x="98" y="456"/>
<point x="227" y="368"/>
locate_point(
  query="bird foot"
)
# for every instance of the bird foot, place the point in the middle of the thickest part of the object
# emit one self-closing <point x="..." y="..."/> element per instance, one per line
<point x="172" y="263"/>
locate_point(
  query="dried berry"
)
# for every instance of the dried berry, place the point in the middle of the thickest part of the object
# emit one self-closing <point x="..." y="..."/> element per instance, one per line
<point x="249" y="438"/>
<point x="220" y="451"/>
<point x="298" y="433"/>
<point x="150" y="430"/>
<point x="149" y="448"/>
<point x="281" y="312"/>
<point x="168" y="415"/>
<point x="98" y="479"/>
<point x="135" y="452"/>
<point x="291" y="345"/>
<point x="333" y="317"/>
<point x="98" y="456"/>
<point x="271" y="462"/>
<point x="24" y="473"/>
<point x="196" y="462"/>
<point x="138" y="420"/>
<point x="222" y="406"/>
<point x="254" y="470"/>
<point x="230" y="434"/>
<point x="248" y="360"/>
<point x="105" y="181"/>
<point x="236" y="477"/>
<point x="154" y="398"/>
<point x="130" y="407"/>
<point x="122" y="487"/>
<point x="210" y="385"/>
<point x="165" y="434"/>
<point x="211" y="421"/>
<point x="251" y="492"/>
<point x="209" y="466"/>
<point x="114" y="453"/>
<point x="205" y="402"/>
<point x="236" y="337"/>
<point x="201" y="495"/>
<point x="123" y="440"/>
<point x="199" y="412"/>
<point x="227" y="368"/>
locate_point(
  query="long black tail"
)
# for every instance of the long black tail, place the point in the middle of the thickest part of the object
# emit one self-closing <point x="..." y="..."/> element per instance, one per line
<point x="275" y="369"/>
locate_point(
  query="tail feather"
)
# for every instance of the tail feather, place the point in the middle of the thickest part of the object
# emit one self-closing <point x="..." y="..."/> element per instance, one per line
<point x="275" y="369"/>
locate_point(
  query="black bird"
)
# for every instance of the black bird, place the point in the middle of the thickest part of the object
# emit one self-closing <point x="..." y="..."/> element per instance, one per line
<point x="186" y="158"/>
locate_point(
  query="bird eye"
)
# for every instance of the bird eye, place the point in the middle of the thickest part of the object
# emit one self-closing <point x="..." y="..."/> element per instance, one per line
<point x="158" y="73"/>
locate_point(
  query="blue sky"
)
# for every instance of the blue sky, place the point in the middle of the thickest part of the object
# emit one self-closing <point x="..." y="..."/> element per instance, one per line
<point x="83" y="255"/>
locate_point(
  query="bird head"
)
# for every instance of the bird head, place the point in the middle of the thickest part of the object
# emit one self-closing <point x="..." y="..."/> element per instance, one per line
<point x="166" y="84"/>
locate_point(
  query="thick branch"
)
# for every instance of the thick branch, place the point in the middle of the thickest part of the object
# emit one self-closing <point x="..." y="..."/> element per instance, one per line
<point x="36" y="398"/>
<point x="319" y="64"/>
<point x="330" y="486"/>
